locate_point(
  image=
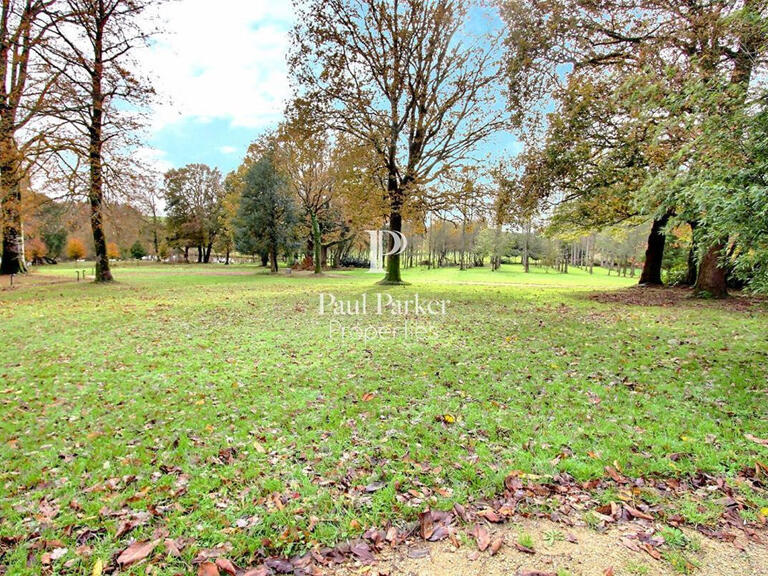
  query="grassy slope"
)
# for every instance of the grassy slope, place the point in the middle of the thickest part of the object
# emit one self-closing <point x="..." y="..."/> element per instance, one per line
<point x="174" y="365"/>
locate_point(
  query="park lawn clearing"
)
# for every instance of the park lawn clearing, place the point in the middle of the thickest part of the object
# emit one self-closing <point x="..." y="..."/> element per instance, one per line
<point x="211" y="407"/>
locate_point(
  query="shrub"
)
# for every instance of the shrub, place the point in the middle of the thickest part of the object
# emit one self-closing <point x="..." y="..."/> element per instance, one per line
<point x="75" y="249"/>
<point x="352" y="262"/>
<point x="113" y="252"/>
<point x="36" y="250"/>
<point x="137" y="250"/>
<point x="55" y="242"/>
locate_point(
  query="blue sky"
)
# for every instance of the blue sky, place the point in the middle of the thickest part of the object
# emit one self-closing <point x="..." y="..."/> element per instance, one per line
<point x="222" y="80"/>
<point x="221" y="76"/>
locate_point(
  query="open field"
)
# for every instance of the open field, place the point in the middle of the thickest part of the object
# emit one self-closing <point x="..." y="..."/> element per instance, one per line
<point x="215" y="404"/>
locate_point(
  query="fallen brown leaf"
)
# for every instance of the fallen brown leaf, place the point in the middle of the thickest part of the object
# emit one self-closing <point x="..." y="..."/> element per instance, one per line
<point x="496" y="545"/>
<point x="761" y="441"/>
<point x="652" y="552"/>
<point x="637" y="513"/>
<point x="417" y="553"/>
<point x="226" y="566"/>
<point x="482" y="537"/>
<point x="524" y="549"/>
<point x="207" y="569"/>
<point x="136" y="552"/>
<point x="260" y="571"/>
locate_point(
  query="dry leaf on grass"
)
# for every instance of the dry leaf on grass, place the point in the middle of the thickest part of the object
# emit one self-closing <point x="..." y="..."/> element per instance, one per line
<point x="226" y="566"/>
<point x="207" y="569"/>
<point x="136" y="552"/>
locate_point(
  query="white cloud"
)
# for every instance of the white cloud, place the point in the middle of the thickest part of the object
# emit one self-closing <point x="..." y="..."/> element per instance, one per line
<point x="227" y="149"/>
<point x="155" y="158"/>
<point x="221" y="59"/>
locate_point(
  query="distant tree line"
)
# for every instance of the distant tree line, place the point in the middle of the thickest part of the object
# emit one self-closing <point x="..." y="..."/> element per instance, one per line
<point x="644" y="124"/>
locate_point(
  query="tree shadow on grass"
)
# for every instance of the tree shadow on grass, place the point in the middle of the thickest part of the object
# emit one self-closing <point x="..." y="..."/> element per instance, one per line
<point x="678" y="297"/>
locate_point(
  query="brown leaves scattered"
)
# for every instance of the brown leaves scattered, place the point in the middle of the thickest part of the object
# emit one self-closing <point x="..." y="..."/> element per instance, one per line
<point x="614" y="474"/>
<point x="136" y="552"/>
<point x="436" y="525"/>
<point x="172" y="548"/>
<point x="490" y="515"/>
<point x="48" y="510"/>
<point x="128" y="524"/>
<point x="522" y="492"/>
<point x="212" y="553"/>
<point x="362" y="552"/>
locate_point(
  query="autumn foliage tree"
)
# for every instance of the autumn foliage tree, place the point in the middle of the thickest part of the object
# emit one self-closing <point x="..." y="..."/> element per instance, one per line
<point x="75" y="249"/>
<point x="100" y="100"/>
<point x="37" y="250"/>
<point x="408" y="79"/>
<point x="194" y="196"/>
<point x="676" y="56"/>
<point x="25" y="83"/>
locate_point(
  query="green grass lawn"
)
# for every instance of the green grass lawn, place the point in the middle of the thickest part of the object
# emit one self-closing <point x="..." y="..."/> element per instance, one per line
<point x="217" y="400"/>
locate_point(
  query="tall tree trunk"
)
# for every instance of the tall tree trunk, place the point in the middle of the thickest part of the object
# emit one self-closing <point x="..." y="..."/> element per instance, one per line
<point x="208" y="250"/>
<point x="316" y="247"/>
<point x="654" y="254"/>
<point x="693" y="271"/>
<point x="711" y="280"/>
<point x="393" y="275"/>
<point x="13" y="261"/>
<point x="273" y="258"/>
<point x="96" y="191"/>
<point x="462" y="262"/>
<point x="526" y="255"/>
<point x="155" y="241"/>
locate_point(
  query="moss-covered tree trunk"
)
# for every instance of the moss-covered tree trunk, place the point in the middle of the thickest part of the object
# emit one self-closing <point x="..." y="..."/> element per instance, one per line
<point x="13" y="261"/>
<point x="712" y="281"/>
<point x="393" y="275"/>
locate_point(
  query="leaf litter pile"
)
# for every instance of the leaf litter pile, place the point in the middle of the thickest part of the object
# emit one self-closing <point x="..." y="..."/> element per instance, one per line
<point x="208" y="425"/>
